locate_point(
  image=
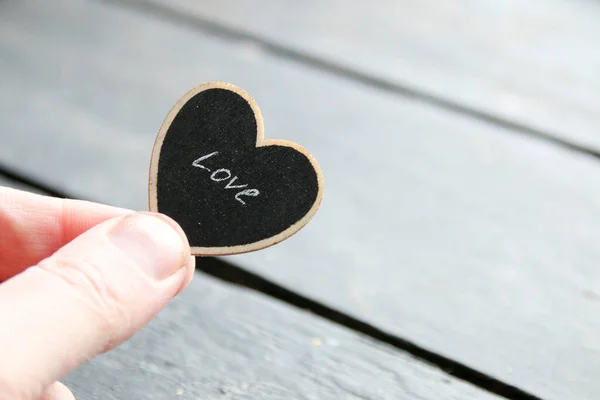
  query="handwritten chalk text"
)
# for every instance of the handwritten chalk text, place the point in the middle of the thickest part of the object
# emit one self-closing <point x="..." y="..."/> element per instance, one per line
<point x="222" y="175"/>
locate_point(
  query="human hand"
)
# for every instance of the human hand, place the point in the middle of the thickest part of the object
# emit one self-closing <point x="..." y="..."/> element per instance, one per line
<point x="78" y="279"/>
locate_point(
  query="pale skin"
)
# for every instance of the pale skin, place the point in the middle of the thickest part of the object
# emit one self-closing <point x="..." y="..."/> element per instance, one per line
<point x="77" y="280"/>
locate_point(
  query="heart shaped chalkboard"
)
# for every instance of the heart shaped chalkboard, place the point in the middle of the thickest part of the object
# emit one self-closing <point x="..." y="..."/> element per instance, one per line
<point x="231" y="190"/>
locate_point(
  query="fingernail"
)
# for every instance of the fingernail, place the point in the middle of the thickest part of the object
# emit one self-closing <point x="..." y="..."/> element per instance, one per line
<point x="155" y="243"/>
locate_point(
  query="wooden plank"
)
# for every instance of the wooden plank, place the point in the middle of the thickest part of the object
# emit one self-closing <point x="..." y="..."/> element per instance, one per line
<point x="465" y="238"/>
<point x="225" y="341"/>
<point x="218" y="341"/>
<point x="530" y="62"/>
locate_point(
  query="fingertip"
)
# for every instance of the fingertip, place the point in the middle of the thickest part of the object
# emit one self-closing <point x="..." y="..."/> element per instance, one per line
<point x="173" y="224"/>
<point x="190" y="264"/>
<point x="57" y="391"/>
<point x="154" y="242"/>
<point x="90" y="296"/>
<point x="190" y="269"/>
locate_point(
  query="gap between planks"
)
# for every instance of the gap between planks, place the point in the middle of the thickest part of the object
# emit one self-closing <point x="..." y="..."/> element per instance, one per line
<point x="206" y="26"/>
<point x="233" y="274"/>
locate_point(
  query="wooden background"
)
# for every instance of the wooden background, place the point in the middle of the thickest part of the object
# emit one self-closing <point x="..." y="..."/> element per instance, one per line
<point x="455" y="255"/>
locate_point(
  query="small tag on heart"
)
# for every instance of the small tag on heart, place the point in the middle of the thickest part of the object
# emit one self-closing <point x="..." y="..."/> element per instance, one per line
<point x="231" y="190"/>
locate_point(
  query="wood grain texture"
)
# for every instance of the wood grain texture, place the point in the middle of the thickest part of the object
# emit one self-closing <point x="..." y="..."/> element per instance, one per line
<point x="531" y="62"/>
<point x="467" y="239"/>
<point x="221" y="342"/>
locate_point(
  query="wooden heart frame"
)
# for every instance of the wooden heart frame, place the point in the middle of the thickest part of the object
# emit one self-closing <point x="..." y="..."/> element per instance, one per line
<point x="260" y="141"/>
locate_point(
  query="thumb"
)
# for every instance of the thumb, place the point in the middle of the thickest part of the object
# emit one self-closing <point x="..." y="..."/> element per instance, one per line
<point x="87" y="298"/>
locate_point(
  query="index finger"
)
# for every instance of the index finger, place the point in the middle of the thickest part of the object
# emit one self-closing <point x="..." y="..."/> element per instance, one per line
<point x="33" y="227"/>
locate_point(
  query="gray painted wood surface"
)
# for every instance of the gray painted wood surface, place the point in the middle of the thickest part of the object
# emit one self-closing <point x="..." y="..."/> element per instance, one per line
<point x="533" y="62"/>
<point x="221" y="342"/>
<point x="467" y="239"/>
<point x="217" y="341"/>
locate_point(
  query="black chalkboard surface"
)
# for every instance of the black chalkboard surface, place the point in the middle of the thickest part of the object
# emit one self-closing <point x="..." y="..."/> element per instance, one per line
<point x="231" y="190"/>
